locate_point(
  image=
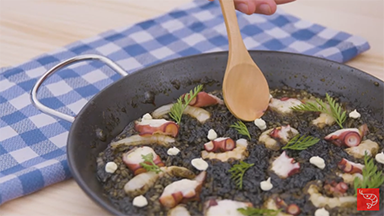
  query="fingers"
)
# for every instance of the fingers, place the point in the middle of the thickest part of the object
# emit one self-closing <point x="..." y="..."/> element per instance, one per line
<point x="266" y="7"/>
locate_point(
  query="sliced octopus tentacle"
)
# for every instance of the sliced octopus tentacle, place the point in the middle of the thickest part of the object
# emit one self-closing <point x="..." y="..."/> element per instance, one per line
<point x="240" y="152"/>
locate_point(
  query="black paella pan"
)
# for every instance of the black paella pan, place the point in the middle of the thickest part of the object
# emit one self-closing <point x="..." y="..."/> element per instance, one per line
<point x="108" y="112"/>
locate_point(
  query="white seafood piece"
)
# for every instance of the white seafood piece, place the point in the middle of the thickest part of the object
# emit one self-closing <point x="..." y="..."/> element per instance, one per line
<point x="144" y="140"/>
<point x="238" y="153"/>
<point x="200" y="114"/>
<point x="318" y="200"/>
<point x="141" y="183"/>
<point x="182" y="191"/>
<point x="349" y="178"/>
<point x="284" y="105"/>
<point x="179" y="210"/>
<point x="285" y="166"/>
<point x="323" y="120"/>
<point x="282" y="134"/>
<point x="224" y="207"/>
<point x="368" y="146"/>
<point x="147" y="127"/>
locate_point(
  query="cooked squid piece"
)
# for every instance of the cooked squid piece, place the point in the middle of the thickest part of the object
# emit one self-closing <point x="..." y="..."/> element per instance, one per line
<point x="141" y="183"/>
<point x="284" y="105"/>
<point x="179" y="210"/>
<point x="133" y="159"/>
<point x="148" y="127"/>
<point x="204" y="99"/>
<point x="240" y="152"/>
<point x="319" y="200"/>
<point x="349" y="178"/>
<point x="282" y="134"/>
<point x="213" y="207"/>
<point x="135" y="140"/>
<point x="200" y="114"/>
<point x="285" y="166"/>
<point x="349" y="137"/>
<point x="323" y="120"/>
<point x="350" y="167"/>
<point x="221" y="144"/>
<point x="182" y="191"/>
<point x="366" y="146"/>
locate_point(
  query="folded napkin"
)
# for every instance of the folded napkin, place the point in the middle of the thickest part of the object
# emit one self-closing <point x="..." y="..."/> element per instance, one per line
<point x="33" y="144"/>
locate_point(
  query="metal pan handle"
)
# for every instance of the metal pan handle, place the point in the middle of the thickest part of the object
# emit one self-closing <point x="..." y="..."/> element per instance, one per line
<point x="65" y="63"/>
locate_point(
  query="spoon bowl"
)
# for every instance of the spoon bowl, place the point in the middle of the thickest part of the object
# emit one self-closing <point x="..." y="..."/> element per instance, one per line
<point x="245" y="89"/>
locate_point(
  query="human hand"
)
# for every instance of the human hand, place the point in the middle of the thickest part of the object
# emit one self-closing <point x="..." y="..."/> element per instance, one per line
<point x="266" y="7"/>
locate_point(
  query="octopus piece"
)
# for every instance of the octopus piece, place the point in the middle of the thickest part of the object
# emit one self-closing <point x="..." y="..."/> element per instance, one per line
<point x="135" y="140"/>
<point x="240" y="152"/>
<point x="285" y="166"/>
<point x="204" y="99"/>
<point x="156" y="126"/>
<point x="336" y="189"/>
<point x="141" y="183"/>
<point x="282" y="134"/>
<point x="319" y="201"/>
<point x="182" y="191"/>
<point x="133" y="159"/>
<point x="275" y="203"/>
<point x="221" y="144"/>
<point x="213" y="207"/>
<point x="200" y="114"/>
<point x="349" y="137"/>
<point x="179" y="210"/>
<point x="284" y="105"/>
<point x="323" y="120"/>
<point x="349" y="178"/>
<point x="366" y="146"/>
<point x="350" y="167"/>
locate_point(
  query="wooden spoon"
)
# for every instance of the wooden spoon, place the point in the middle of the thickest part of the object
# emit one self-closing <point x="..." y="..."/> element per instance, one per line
<point x="245" y="89"/>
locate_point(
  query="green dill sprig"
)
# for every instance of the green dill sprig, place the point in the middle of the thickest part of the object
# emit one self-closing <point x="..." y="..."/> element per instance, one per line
<point x="371" y="177"/>
<point x="237" y="172"/>
<point x="152" y="166"/>
<point x="182" y="102"/>
<point x="241" y="128"/>
<point x="250" y="211"/>
<point x="301" y="142"/>
<point x="336" y="110"/>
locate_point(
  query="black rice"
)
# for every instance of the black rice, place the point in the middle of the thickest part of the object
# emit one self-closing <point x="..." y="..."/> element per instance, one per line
<point x="218" y="184"/>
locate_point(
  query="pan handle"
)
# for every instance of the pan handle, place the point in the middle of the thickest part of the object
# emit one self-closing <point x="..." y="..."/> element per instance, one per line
<point x="65" y="63"/>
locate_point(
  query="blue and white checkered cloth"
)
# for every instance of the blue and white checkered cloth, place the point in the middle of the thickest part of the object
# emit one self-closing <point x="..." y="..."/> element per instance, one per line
<point x="33" y="144"/>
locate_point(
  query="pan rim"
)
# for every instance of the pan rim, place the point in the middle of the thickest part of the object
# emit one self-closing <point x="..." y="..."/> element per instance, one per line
<point x="70" y="147"/>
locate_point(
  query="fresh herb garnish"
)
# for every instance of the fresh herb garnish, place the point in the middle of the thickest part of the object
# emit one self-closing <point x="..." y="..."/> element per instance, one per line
<point x="301" y="142"/>
<point x="250" y="211"/>
<point x="152" y="166"/>
<point x="335" y="109"/>
<point x="182" y="102"/>
<point x="371" y="177"/>
<point x="241" y="129"/>
<point x="237" y="171"/>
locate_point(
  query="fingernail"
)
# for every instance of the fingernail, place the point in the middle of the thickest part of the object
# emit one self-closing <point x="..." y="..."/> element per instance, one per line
<point x="242" y="7"/>
<point x="265" y="9"/>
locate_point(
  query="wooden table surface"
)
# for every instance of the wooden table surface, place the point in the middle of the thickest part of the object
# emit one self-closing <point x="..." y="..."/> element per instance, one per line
<point x="29" y="28"/>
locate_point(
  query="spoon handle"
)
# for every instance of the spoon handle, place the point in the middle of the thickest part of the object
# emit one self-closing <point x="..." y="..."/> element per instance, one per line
<point x="237" y="48"/>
